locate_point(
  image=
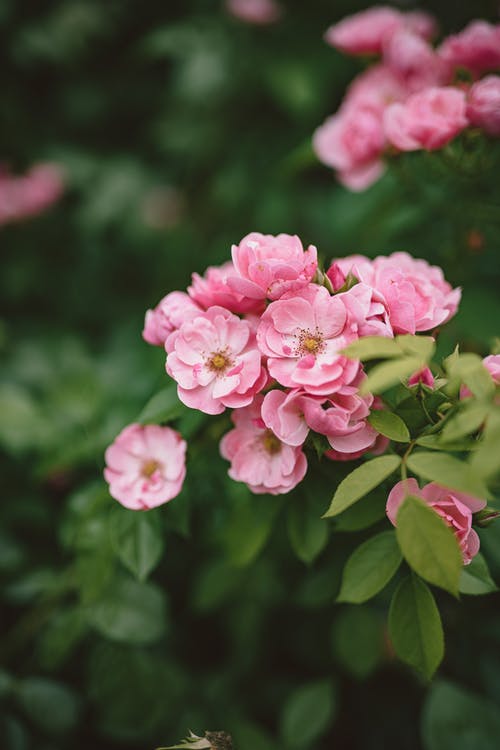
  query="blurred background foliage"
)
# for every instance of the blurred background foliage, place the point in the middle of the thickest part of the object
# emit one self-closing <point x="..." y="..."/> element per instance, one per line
<point x="180" y="129"/>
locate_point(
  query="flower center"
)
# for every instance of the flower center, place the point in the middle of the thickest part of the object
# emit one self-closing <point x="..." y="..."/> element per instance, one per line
<point x="271" y="443"/>
<point x="309" y="342"/>
<point x="219" y="362"/>
<point x="149" y="467"/>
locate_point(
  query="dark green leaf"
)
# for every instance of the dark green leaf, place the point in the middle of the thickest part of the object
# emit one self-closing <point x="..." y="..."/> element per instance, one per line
<point x="137" y="539"/>
<point x="358" y="640"/>
<point x="162" y="407"/>
<point x="307" y="532"/>
<point x="50" y="705"/>
<point x="307" y="714"/>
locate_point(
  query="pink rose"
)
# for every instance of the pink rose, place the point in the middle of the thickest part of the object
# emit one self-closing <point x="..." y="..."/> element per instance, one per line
<point x="215" y="362"/>
<point x="455" y="508"/>
<point x="477" y="47"/>
<point x="416" y="295"/>
<point x="168" y="315"/>
<point x="492" y="364"/>
<point x="376" y="87"/>
<point x="413" y="58"/>
<point x="258" y="457"/>
<point x="258" y="12"/>
<point x="145" y="466"/>
<point x="268" y="265"/>
<point x="483" y="105"/>
<point x="421" y="23"/>
<point x="428" y="119"/>
<point x="424" y="376"/>
<point x="213" y="289"/>
<point x="352" y="142"/>
<point x="302" y="335"/>
<point x="378" y="446"/>
<point x="367" y="312"/>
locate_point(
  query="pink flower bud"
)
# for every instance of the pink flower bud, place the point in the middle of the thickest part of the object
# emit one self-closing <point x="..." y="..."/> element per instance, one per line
<point x="483" y="105"/>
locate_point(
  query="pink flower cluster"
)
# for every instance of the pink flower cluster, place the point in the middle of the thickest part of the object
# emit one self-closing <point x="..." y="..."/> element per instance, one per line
<point x="455" y="508"/>
<point x="411" y="98"/>
<point x="261" y="336"/>
<point x="30" y="194"/>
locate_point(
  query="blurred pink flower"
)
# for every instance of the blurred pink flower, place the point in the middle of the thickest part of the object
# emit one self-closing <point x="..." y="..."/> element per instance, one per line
<point x="455" y="508"/>
<point x="428" y="119"/>
<point x="145" y="466"/>
<point x="413" y="58"/>
<point x="477" y="47"/>
<point x="258" y="457"/>
<point x="259" y="12"/>
<point x="492" y="364"/>
<point x="483" y="104"/>
<point x="215" y="362"/>
<point x="30" y="194"/>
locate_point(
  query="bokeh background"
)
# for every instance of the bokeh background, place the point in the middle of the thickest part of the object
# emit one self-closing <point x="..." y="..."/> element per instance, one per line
<point x="178" y="129"/>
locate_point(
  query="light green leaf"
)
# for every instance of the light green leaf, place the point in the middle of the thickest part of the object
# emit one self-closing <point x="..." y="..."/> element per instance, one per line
<point x="370" y="567"/>
<point x="428" y="544"/>
<point x="420" y="346"/>
<point x="390" y="425"/>
<point x="307" y="532"/>
<point x="384" y="376"/>
<point x="469" y="369"/>
<point x="137" y="539"/>
<point x="467" y="420"/>
<point x="415" y="626"/>
<point x="448" y="471"/>
<point x="485" y="460"/>
<point x="475" y="578"/>
<point x="373" y="347"/>
<point x="307" y="714"/>
<point x="162" y="407"/>
<point x="435" y="443"/>
<point x="359" y="482"/>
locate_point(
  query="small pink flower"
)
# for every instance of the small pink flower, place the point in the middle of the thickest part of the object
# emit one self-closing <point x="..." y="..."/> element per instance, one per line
<point x="413" y="58"/>
<point x="168" y="315"/>
<point x="364" y="33"/>
<point x="483" y="105"/>
<point x="213" y="289"/>
<point x="352" y="142"/>
<point x="424" y="376"/>
<point x="492" y="364"/>
<point x="258" y="12"/>
<point x="455" y="508"/>
<point x="302" y="335"/>
<point x="145" y="466"/>
<point x="367" y="312"/>
<point x="477" y="47"/>
<point x="30" y="194"/>
<point x="428" y="119"/>
<point x="258" y="457"/>
<point x="268" y="265"/>
<point x="215" y="362"/>
<point x="415" y="294"/>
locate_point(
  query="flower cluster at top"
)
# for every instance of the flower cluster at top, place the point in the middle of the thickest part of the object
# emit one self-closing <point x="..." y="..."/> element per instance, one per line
<point x="414" y="97"/>
<point x="30" y="194"/>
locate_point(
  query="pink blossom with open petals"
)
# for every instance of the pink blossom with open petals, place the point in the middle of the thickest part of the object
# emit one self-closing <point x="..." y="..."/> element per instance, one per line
<point x="168" y="315"/>
<point x="352" y="142"/>
<point x="258" y="457"/>
<point x="455" y="508"/>
<point x="483" y="105"/>
<point x="145" y="466"/>
<point x="215" y="362"/>
<point x="416" y="61"/>
<point x="492" y="364"/>
<point x="268" y="265"/>
<point x="477" y="47"/>
<point x="213" y="289"/>
<point x="427" y="120"/>
<point x="416" y="294"/>
<point x="302" y="335"/>
<point x="376" y="87"/>
<point x="364" y="33"/>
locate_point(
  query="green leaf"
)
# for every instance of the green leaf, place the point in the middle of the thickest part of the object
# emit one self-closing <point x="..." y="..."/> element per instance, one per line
<point x="129" y="612"/>
<point x="485" y="460"/>
<point x="363" y="514"/>
<point x="390" y="425"/>
<point x="307" y="532"/>
<point x="435" y="443"/>
<point x="467" y="420"/>
<point x="249" y="526"/>
<point x="421" y="346"/>
<point x="137" y="540"/>
<point x="428" y="544"/>
<point x="358" y="640"/>
<point x="475" y="578"/>
<point x="359" y="482"/>
<point x="469" y="369"/>
<point x="307" y="714"/>
<point x="455" y="719"/>
<point x="415" y="626"/>
<point x="50" y="705"/>
<point x="370" y="567"/>
<point x="162" y="407"/>
<point x="384" y="376"/>
<point x="373" y="347"/>
<point x="447" y="471"/>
